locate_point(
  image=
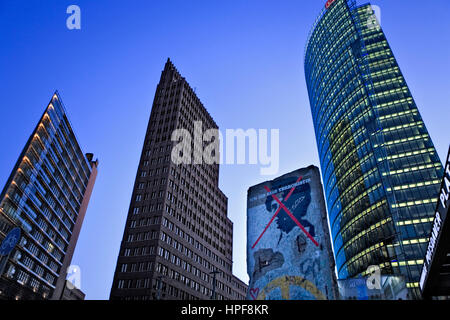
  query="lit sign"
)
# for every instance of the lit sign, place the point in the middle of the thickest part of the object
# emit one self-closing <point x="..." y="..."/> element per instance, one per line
<point x="439" y="218"/>
<point x="329" y="3"/>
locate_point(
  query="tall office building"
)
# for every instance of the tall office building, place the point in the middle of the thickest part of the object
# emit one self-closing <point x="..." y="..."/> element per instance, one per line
<point x="177" y="238"/>
<point x="46" y="196"/>
<point x="380" y="169"/>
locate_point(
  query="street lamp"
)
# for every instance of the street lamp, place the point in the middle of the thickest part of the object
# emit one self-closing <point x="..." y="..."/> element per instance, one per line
<point x="213" y="295"/>
<point x="158" y="297"/>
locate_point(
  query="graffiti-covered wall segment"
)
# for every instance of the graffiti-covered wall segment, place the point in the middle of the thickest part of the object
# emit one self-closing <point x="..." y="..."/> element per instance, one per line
<point x="289" y="253"/>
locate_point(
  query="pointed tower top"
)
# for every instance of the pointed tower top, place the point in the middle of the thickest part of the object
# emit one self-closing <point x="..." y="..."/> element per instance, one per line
<point x="170" y="63"/>
<point x="169" y="66"/>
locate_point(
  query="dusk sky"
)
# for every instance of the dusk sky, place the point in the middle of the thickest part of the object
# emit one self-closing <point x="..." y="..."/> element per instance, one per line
<point x="245" y="60"/>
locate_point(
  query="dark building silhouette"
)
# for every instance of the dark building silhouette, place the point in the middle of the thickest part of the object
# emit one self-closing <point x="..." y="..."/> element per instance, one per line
<point x="71" y="292"/>
<point x="46" y="196"/>
<point x="177" y="231"/>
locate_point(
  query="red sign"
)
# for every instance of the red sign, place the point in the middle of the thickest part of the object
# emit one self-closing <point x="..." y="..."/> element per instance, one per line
<point x="329" y="3"/>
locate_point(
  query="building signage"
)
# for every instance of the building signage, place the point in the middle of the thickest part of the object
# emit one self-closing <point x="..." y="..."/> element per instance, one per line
<point x="329" y="3"/>
<point x="439" y="219"/>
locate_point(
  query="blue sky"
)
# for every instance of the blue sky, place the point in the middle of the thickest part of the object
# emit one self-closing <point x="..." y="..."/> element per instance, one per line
<point x="245" y="59"/>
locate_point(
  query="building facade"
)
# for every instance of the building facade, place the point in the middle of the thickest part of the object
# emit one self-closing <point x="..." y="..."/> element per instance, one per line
<point x="177" y="238"/>
<point x="435" y="276"/>
<point x="70" y="292"/>
<point x="46" y="196"/>
<point x="289" y="254"/>
<point x="380" y="169"/>
<point x="239" y="288"/>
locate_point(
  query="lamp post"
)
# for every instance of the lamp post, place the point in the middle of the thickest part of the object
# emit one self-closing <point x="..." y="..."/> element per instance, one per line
<point x="213" y="295"/>
<point x="158" y="297"/>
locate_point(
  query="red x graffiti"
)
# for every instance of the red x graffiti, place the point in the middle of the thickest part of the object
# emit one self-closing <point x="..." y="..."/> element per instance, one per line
<point x="282" y="206"/>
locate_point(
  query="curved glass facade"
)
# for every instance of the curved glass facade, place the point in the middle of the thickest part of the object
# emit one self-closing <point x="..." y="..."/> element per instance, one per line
<point x="379" y="166"/>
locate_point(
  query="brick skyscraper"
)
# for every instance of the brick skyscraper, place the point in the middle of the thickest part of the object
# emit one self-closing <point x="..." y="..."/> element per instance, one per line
<point x="177" y="231"/>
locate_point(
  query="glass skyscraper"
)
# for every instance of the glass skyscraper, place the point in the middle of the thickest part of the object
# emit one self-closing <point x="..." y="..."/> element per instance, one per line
<point x="380" y="169"/>
<point x="46" y="196"/>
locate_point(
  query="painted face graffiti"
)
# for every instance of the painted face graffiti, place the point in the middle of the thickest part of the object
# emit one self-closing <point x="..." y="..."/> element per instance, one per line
<point x="297" y="203"/>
